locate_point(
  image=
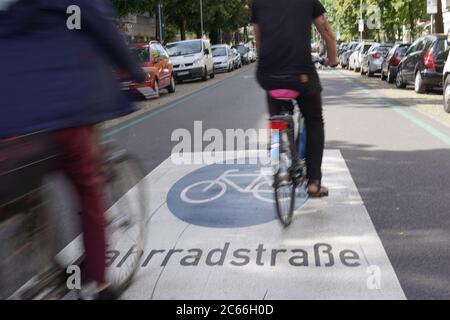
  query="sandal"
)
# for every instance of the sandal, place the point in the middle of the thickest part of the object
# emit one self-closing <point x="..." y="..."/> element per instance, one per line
<point x="321" y="191"/>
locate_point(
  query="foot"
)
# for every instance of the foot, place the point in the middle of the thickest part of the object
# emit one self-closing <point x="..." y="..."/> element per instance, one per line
<point x="316" y="190"/>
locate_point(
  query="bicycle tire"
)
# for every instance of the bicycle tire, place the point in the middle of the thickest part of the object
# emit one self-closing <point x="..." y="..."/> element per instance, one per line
<point x="285" y="216"/>
<point x="120" y="166"/>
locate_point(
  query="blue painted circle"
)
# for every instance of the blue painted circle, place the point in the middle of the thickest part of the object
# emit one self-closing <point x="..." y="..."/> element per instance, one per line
<point x="226" y="203"/>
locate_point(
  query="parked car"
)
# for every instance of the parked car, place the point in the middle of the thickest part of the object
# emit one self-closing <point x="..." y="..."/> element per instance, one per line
<point x="192" y="59"/>
<point x="243" y="51"/>
<point x="446" y="80"/>
<point x="423" y="64"/>
<point x="356" y="57"/>
<point x="252" y="55"/>
<point x="345" y="56"/>
<point x="342" y="48"/>
<point x="390" y="64"/>
<point x="237" y="59"/>
<point x="156" y="63"/>
<point x="222" y="58"/>
<point x="372" y="61"/>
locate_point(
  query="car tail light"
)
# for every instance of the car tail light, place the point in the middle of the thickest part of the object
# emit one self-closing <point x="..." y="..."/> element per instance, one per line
<point x="278" y="125"/>
<point x="428" y="60"/>
<point x="395" y="61"/>
<point x="376" y="55"/>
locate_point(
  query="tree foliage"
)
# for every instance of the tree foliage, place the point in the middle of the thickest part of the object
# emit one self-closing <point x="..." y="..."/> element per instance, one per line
<point x="225" y="16"/>
<point x="394" y="14"/>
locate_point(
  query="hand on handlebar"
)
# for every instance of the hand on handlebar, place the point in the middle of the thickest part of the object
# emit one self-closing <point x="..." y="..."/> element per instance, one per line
<point x="333" y="63"/>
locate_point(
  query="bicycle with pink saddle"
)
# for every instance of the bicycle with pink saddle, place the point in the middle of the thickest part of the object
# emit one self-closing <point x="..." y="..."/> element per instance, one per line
<point x="287" y="153"/>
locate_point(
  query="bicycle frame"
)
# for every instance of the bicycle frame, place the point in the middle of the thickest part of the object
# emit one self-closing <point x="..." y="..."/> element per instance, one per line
<point x="286" y="122"/>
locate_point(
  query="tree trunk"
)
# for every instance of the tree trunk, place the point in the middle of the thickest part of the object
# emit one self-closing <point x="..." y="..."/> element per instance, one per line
<point x="412" y="22"/>
<point x="439" y="20"/>
<point x="183" y="30"/>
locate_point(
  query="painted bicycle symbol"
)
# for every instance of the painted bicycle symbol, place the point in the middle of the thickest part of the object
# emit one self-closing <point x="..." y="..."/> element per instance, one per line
<point x="206" y="191"/>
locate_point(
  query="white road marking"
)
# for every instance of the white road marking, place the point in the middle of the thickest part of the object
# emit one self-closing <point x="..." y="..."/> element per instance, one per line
<point x="340" y="224"/>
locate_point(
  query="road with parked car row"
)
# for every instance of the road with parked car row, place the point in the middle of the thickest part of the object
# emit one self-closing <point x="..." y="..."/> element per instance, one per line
<point x="383" y="233"/>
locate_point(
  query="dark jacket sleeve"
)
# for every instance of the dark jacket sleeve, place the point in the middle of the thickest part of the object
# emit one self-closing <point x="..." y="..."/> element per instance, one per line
<point x="11" y="25"/>
<point x="97" y="19"/>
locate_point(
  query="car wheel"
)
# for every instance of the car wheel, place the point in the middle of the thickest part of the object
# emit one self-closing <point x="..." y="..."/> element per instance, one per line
<point x="205" y="74"/>
<point x="447" y="95"/>
<point x="399" y="83"/>
<point x="419" y="86"/>
<point x="172" y="86"/>
<point x="212" y="75"/>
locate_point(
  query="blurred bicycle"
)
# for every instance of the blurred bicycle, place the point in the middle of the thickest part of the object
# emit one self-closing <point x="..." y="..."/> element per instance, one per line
<point x="28" y="227"/>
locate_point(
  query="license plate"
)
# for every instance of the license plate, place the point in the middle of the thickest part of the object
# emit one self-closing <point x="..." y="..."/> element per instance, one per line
<point x="183" y="73"/>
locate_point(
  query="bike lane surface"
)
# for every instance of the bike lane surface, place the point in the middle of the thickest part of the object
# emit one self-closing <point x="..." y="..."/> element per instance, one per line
<point x="389" y="158"/>
<point x="225" y="242"/>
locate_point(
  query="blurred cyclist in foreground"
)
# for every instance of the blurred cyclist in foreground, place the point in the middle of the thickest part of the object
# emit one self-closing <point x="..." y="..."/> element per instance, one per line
<point x="283" y="38"/>
<point x="59" y="80"/>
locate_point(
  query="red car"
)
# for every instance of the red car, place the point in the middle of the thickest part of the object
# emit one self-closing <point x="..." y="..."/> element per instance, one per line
<point x="156" y="63"/>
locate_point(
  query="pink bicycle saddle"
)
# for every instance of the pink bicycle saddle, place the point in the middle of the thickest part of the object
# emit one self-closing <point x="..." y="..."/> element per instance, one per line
<point x="284" y="94"/>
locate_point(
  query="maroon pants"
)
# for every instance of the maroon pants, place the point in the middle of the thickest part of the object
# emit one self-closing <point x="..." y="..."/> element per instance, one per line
<point x="81" y="163"/>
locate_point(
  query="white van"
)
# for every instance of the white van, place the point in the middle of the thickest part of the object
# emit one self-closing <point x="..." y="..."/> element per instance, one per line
<point x="223" y="58"/>
<point x="191" y="59"/>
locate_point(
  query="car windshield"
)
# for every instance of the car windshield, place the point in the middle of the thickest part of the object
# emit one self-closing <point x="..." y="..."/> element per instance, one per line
<point x="242" y="50"/>
<point x="184" y="48"/>
<point x="142" y="54"/>
<point x="219" y="52"/>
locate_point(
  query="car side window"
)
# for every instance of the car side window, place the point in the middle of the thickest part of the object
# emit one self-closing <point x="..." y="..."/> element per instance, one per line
<point x="422" y="44"/>
<point x="442" y="49"/>
<point x="155" y="53"/>
<point x="163" y="53"/>
<point x="413" y="47"/>
<point x="427" y="43"/>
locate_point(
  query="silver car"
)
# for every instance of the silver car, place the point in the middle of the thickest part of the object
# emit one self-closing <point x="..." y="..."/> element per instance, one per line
<point x="345" y="55"/>
<point x="356" y="57"/>
<point x="373" y="60"/>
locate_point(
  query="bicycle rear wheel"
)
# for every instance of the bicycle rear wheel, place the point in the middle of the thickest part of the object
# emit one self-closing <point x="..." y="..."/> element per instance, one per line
<point x="285" y="187"/>
<point x="126" y="218"/>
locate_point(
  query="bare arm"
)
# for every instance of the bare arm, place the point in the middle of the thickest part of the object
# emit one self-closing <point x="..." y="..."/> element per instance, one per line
<point x="257" y="36"/>
<point x="327" y="34"/>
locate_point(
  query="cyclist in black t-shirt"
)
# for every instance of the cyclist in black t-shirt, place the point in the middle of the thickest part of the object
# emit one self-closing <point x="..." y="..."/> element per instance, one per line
<point x="283" y="39"/>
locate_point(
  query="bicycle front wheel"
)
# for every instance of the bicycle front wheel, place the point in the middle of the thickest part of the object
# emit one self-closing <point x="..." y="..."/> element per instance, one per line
<point x="126" y="218"/>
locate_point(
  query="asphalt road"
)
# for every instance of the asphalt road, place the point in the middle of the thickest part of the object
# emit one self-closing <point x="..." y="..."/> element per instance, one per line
<point x="397" y="157"/>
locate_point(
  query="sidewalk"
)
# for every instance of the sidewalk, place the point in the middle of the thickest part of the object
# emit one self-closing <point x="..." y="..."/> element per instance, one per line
<point x="429" y="104"/>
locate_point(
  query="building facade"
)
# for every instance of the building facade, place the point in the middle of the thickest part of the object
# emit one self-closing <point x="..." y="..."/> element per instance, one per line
<point x="138" y="28"/>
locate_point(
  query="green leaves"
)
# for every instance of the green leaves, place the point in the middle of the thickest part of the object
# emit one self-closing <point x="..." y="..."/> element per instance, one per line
<point x="344" y="15"/>
<point x="224" y="15"/>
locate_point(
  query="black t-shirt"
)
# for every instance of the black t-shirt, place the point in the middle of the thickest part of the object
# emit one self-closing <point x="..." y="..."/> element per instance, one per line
<point x="285" y="27"/>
